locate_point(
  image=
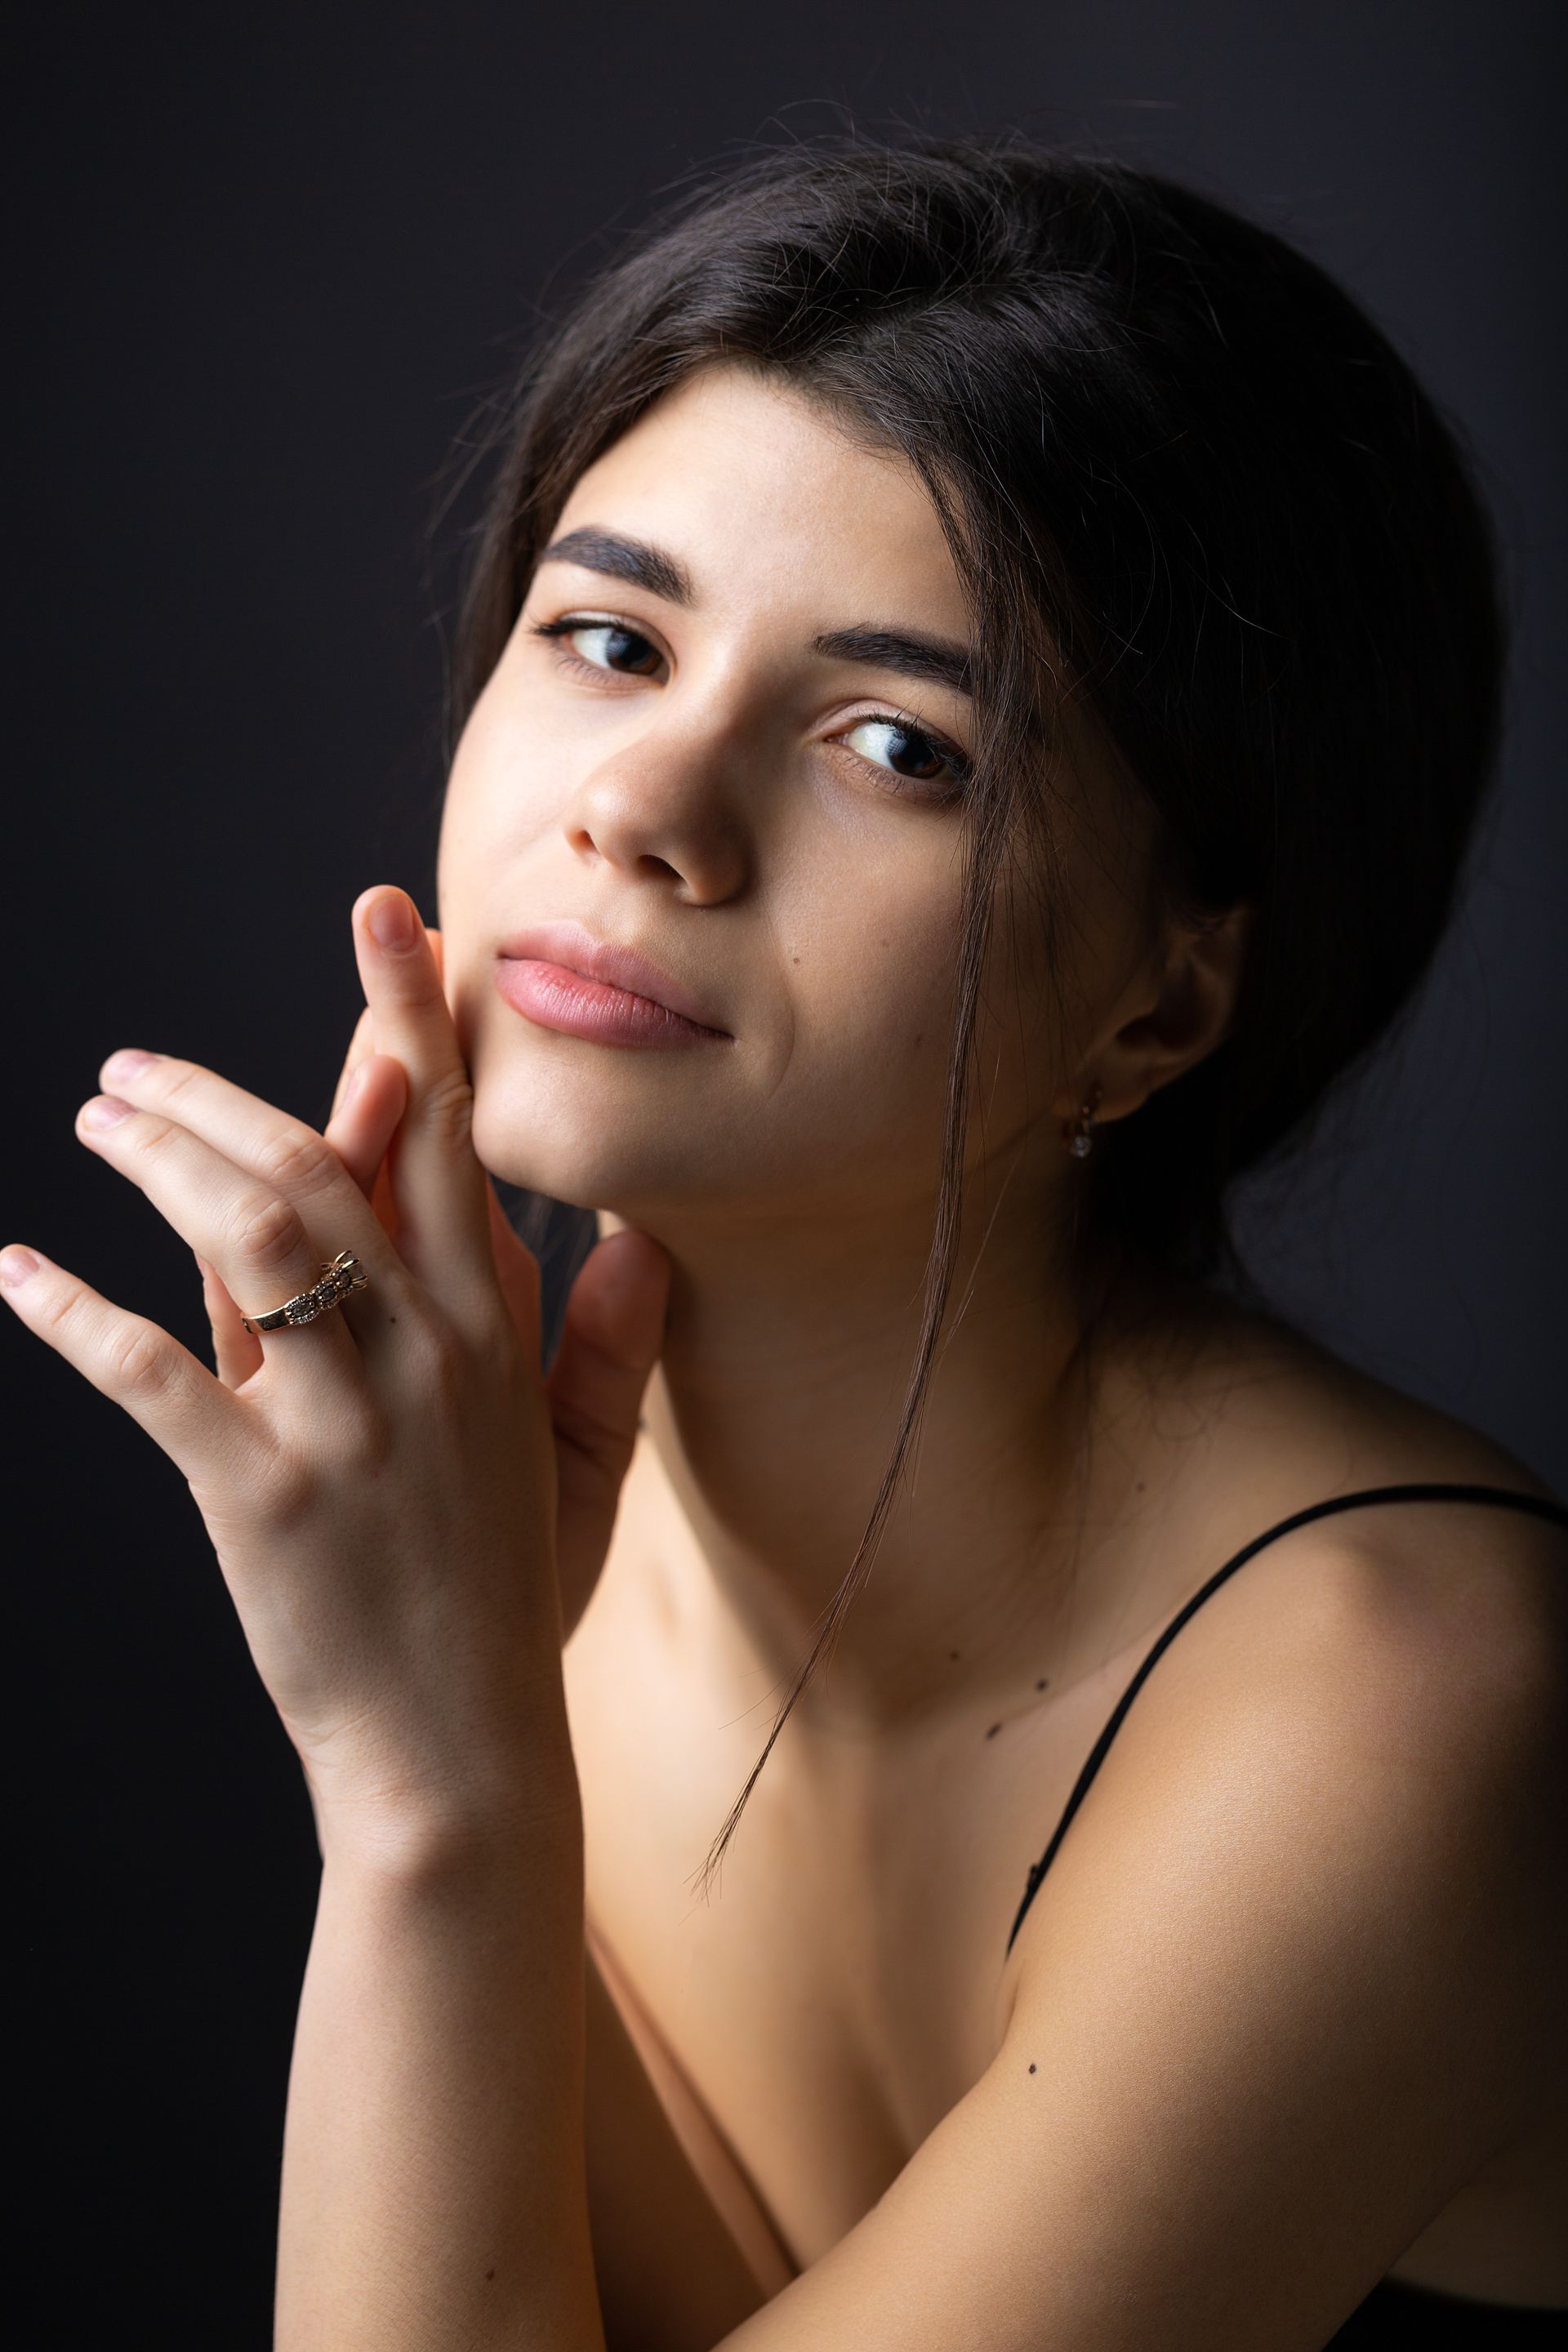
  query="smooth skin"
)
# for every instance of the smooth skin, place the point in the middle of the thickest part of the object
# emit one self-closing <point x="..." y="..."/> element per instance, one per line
<point x="1288" y="2000"/>
<point x="332" y="1474"/>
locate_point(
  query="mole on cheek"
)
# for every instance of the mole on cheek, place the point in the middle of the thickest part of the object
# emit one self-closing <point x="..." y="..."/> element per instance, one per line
<point x="994" y="1730"/>
<point x="1031" y="2067"/>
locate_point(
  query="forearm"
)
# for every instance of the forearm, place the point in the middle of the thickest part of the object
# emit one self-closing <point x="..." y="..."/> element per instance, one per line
<point x="434" y="2190"/>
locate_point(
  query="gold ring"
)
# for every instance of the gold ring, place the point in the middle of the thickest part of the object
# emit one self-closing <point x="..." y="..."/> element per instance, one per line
<point x="342" y="1274"/>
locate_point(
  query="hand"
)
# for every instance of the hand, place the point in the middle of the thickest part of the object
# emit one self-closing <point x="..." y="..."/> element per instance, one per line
<point x="380" y="1486"/>
<point x="610" y="1331"/>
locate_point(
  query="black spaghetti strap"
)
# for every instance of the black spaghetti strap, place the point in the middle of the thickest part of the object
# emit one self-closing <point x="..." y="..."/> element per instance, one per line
<point x="1431" y="1491"/>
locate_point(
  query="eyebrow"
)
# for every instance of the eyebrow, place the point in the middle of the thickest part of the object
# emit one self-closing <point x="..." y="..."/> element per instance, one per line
<point x="625" y="558"/>
<point x="939" y="661"/>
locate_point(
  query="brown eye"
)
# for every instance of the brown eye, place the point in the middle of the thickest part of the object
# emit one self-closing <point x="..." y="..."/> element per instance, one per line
<point x="614" y="647"/>
<point x="604" y="644"/>
<point x="908" y="751"/>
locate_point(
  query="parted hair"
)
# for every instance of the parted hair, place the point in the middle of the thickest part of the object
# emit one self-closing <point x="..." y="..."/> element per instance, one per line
<point x="1189" y="486"/>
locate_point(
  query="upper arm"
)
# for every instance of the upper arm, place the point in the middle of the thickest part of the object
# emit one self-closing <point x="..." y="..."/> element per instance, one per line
<point x="1285" y="1994"/>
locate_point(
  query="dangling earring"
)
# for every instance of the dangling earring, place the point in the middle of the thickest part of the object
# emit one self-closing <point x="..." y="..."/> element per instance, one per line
<point x="1077" y="1132"/>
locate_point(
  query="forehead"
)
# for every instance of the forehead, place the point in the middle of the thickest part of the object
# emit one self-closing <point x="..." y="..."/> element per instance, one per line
<point x="767" y="498"/>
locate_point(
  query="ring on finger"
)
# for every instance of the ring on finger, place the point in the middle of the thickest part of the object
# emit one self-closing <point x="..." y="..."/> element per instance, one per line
<point x="339" y="1276"/>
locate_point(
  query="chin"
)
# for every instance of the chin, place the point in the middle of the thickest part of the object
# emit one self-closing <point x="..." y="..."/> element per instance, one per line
<point x="531" y="1136"/>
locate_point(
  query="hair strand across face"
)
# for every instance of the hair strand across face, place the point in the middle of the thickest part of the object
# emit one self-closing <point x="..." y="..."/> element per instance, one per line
<point x="1190" y="487"/>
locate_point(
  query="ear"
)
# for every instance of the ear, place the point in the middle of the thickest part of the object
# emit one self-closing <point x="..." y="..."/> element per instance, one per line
<point x="1176" y="1013"/>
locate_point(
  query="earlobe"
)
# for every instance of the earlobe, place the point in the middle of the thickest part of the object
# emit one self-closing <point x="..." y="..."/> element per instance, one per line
<point x="1078" y="1134"/>
<point x="1191" y="1015"/>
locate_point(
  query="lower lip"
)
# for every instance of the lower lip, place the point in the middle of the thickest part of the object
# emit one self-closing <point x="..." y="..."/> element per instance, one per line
<point x="558" y="999"/>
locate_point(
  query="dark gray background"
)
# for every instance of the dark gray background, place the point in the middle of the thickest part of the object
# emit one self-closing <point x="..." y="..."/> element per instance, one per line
<point x="268" y="266"/>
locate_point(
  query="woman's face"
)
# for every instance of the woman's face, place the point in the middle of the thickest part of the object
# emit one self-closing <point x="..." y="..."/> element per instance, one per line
<point x="738" y="751"/>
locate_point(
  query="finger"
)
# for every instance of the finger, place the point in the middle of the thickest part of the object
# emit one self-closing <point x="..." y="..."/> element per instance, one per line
<point x="372" y="1101"/>
<point x="278" y="1151"/>
<point x="202" y="1429"/>
<point x="381" y="1192"/>
<point x="361" y="1045"/>
<point x="260" y="1138"/>
<point x="610" y="1341"/>
<point x="254" y="1233"/>
<point x="237" y="1353"/>
<point x="443" y="1217"/>
<point x="517" y="1271"/>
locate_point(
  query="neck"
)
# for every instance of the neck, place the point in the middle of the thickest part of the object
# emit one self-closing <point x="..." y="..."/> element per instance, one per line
<point x="774" y="1412"/>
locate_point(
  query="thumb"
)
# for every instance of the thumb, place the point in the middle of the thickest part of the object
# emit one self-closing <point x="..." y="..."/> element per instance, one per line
<point x="610" y="1340"/>
<point x="611" y="1337"/>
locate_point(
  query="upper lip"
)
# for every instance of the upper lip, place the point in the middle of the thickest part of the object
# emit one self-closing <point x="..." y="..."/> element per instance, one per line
<point x="576" y="949"/>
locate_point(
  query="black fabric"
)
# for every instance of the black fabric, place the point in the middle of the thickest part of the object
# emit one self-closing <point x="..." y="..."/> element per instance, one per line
<point x="1392" y="2314"/>
<point x="1395" y="2314"/>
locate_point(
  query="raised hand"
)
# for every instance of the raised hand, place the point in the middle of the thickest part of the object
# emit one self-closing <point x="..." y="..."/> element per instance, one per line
<point x="381" y="1486"/>
<point x="610" y="1334"/>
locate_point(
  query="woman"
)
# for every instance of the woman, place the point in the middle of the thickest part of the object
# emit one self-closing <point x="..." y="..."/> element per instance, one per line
<point x="977" y="680"/>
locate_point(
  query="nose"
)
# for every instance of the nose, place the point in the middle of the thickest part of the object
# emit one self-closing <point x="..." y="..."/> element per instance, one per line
<point x="668" y="802"/>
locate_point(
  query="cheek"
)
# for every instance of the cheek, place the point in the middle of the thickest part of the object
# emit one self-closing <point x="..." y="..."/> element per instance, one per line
<point x="503" y="791"/>
<point x="872" y="978"/>
<point x="845" y="957"/>
<point x="505" y="776"/>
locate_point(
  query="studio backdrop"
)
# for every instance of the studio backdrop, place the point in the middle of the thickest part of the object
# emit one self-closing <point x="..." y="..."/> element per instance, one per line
<point x="270" y="268"/>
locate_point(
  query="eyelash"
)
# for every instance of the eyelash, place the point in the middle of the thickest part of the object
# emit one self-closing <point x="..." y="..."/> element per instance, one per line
<point x="909" y="787"/>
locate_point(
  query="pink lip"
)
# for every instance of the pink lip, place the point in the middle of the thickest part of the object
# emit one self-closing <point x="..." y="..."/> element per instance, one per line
<point x="560" y="975"/>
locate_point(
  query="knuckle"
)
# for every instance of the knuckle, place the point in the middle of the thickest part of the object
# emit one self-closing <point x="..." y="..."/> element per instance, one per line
<point x="319" y="1459"/>
<point x="174" y="1078"/>
<point x="447" y="1109"/>
<point x="149" y="1134"/>
<point x="287" y="1490"/>
<point x="268" y="1231"/>
<point x="436" y="1363"/>
<point x="66" y="1312"/>
<point x="141" y="1362"/>
<point x="297" y="1159"/>
<point x="364" y="1438"/>
<point x="495" y="1342"/>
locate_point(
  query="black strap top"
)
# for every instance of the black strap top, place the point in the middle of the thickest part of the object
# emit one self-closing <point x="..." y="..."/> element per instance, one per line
<point x="1393" y="2313"/>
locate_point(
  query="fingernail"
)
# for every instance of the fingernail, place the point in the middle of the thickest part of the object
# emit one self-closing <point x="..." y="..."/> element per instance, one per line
<point x="391" y="924"/>
<point x="16" y="1265"/>
<point x="104" y="1110"/>
<point x="355" y="1080"/>
<point x="126" y="1064"/>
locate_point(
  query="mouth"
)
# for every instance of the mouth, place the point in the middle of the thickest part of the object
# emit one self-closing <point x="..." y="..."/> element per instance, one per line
<point x="621" y="997"/>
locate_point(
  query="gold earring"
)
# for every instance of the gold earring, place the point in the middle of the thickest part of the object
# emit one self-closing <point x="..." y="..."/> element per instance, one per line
<point x="1077" y="1133"/>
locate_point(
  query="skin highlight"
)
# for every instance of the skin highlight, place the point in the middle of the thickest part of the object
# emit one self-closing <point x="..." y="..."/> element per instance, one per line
<point x="728" y="804"/>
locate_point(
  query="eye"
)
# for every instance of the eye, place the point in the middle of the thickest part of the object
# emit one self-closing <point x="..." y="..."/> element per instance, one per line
<point x="909" y="751"/>
<point x="603" y="644"/>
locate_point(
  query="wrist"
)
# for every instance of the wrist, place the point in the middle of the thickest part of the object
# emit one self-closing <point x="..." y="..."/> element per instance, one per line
<point x="443" y="1842"/>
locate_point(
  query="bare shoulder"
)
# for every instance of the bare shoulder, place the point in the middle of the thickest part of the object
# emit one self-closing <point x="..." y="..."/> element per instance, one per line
<point x="1276" y="1426"/>
<point x="1368" y="1720"/>
<point x="1430" y="1612"/>
<point x="1292" y="1983"/>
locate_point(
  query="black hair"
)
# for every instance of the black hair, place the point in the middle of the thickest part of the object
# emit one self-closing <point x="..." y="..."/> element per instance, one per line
<point x="1187" y="483"/>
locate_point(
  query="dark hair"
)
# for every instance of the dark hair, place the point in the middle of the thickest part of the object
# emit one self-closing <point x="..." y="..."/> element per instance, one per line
<point x="1187" y="483"/>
